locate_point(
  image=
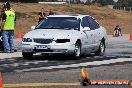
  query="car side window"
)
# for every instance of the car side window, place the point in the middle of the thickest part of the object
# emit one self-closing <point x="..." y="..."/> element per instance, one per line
<point x="89" y="22"/>
<point x="93" y="23"/>
<point x="85" y="22"/>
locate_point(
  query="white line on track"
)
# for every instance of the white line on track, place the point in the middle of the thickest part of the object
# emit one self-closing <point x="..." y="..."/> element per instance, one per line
<point x="96" y="63"/>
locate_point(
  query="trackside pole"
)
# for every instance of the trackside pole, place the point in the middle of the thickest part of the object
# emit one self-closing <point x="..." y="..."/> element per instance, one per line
<point x="130" y="36"/>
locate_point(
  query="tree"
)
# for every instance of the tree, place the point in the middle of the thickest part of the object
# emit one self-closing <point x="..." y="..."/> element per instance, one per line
<point x="126" y="3"/>
<point x="104" y="2"/>
<point x="110" y="2"/>
<point x="130" y="4"/>
<point x="88" y="2"/>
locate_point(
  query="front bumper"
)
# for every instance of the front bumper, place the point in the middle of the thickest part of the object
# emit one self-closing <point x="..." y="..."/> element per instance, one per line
<point x="64" y="48"/>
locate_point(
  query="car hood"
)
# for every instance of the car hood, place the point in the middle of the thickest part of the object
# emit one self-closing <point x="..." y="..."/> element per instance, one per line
<point x="53" y="33"/>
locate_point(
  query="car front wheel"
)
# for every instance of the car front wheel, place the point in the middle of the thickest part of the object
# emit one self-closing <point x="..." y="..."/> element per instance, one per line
<point x="101" y="49"/>
<point x="77" y="51"/>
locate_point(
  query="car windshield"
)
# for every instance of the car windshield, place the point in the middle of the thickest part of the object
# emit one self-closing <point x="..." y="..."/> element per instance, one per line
<point x="65" y="23"/>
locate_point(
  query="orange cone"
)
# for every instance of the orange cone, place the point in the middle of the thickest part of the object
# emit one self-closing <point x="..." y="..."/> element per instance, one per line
<point x="19" y="35"/>
<point x="84" y="73"/>
<point x="1" y="85"/>
<point x="131" y="36"/>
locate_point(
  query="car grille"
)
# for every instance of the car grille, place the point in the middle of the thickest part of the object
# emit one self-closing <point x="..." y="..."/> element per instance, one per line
<point x="43" y="41"/>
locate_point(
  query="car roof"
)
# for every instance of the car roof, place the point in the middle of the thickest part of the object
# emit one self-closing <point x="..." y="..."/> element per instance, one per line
<point x="69" y="15"/>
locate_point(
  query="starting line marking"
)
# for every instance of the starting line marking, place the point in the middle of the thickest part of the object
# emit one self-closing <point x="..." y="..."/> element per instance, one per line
<point x="40" y="84"/>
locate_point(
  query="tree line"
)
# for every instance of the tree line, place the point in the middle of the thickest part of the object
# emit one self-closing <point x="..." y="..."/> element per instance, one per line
<point x="119" y="3"/>
<point x="124" y="3"/>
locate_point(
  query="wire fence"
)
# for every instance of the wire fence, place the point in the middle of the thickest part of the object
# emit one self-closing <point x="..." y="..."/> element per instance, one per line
<point x="123" y="8"/>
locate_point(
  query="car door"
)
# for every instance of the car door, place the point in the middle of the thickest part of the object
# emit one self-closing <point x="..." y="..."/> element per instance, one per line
<point x="94" y="26"/>
<point x="88" y="34"/>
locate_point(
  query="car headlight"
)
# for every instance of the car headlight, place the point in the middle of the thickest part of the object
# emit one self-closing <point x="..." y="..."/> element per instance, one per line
<point x="27" y="40"/>
<point x="62" y="40"/>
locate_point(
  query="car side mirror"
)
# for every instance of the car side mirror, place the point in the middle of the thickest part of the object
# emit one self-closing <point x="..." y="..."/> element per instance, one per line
<point x="32" y="27"/>
<point x="86" y="29"/>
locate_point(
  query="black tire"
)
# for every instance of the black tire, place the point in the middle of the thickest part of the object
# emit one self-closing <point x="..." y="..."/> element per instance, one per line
<point x="77" y="51"/>
<point x="101" y="49"/>
<point x="27" y="55"/>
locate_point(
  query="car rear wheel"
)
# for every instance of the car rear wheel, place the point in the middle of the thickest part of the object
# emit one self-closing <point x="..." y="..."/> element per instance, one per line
<point x="101" y="49"/>
<point x="27" y="55"/>
<point x="77" y="51"/>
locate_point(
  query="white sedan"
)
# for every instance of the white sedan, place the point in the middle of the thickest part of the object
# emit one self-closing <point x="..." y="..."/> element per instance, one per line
<point x="65" y="34"/>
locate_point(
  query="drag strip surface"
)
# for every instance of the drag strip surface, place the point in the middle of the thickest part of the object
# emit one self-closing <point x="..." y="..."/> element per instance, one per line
<point x="18" y="64"/>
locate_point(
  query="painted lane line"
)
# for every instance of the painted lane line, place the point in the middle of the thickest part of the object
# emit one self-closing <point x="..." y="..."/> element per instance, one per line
<point x="2" y="59"/>
<point x="11" y="59"/>
<point x="40" y="84"/>
<point x="15" y="64"/>
<point x="36" y="62"/>
<point x="104" y="62"/>
<point x="25" y="64"/>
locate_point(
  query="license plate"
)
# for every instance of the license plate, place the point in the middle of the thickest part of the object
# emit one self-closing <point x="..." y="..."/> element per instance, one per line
<point x="41" y="47"/>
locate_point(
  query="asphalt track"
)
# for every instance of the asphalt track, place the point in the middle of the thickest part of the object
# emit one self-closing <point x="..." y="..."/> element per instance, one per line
<point x="63" y="72"/>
